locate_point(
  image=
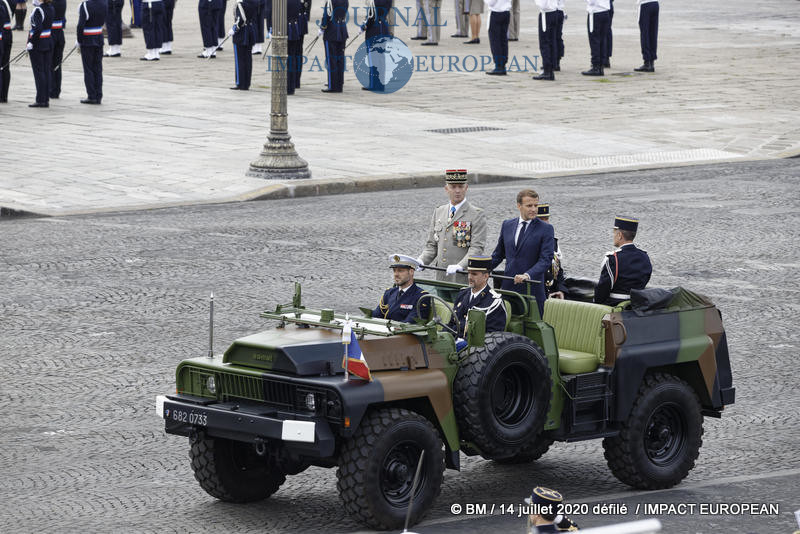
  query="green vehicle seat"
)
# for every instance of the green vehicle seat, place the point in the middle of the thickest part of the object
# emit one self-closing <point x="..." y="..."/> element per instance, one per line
<point x="579" y="333"/>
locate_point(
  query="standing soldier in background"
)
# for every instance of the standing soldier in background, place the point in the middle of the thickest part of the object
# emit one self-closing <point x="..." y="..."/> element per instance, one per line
<point x="6" y="13"/>
<point x="560" y="16"/>
<point x="433" y="12"/>
<point x="334" y="30"/>
<point x="597" y="21"/>
<point x="114" y="27"/>
<point x="554" y="284"/>
<point x="40" y="50"/>
<point x="264" y="15"/>
<point x="609" y="35"/>
<point x="294" y="40"/>
<point x="57" y="35"/>
<point x="152" y="26"/>
<point x="20" y="12"/>
<point x="208" y="12"/>
<point x="306" y="16"/>
<point x="166" y="30"/>
<point x="499" y="16"/>
<point x="548" y="38"/>
<point x="462" y="20"/>
<point x="457" y="231"/>
<point x="513" y="24"/>
<point x="245" y="18"/>
<point x="648" y="33"/>
<point x="221" y="24"/>
<point x="377" y="24"/>
<point x="420" y="22"/>
<point x="91" y="17"/>
<point x="136" y="13"/>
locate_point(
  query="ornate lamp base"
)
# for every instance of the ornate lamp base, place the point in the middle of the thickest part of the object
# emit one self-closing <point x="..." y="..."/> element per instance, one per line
<point x="279" y="161"/>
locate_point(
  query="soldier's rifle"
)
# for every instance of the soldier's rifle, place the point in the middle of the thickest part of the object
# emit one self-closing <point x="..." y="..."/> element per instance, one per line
<point x="66" y="57"/>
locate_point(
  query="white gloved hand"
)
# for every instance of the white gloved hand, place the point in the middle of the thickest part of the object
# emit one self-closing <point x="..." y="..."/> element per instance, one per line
<point x="321" y="31"/>
<point x="453" y="269"/>
<point x="269" y="34"/>
<point x="77" y="44"/>
<point x="231" y="32"/>
<point x="29" y="47"/>
<point x="421" y="266"/>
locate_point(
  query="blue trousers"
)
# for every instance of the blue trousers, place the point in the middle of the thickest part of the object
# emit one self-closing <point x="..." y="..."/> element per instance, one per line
<point x="243" y="64"/>
<point x="648" y="30"/>
<point x="42" y="65"/>
<point x="92" y="59"/>
<point x="153" y="24"/>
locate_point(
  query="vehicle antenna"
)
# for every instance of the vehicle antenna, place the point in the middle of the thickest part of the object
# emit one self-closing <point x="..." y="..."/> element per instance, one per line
<point x="413" y="490"/>
<point x="211" y="329"/>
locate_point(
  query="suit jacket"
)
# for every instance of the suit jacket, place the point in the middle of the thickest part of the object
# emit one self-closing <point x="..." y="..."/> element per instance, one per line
<point x="402" y="309"/>
<point x="451" y="242"/>
<point x="625" y="269"/>
<point x="488" y="301"/>
<point x="533" y="254"/>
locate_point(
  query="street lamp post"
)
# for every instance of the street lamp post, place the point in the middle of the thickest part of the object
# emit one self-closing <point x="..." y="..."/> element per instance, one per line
<point x="278" y="159"/>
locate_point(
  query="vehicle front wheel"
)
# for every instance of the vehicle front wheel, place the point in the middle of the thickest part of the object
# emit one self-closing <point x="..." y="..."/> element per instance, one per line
<point x="232" y="471"/>
<point x="661" y="439"/>
<point x="377" y="466"/>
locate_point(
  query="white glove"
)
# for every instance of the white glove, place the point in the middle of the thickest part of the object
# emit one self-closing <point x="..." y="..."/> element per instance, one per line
<point x="29" y="47"/>
<point x="269" y="34"/>
<point x="321" y="31"/>
<point x="453" y="269"/>
<point x="421" y="267"/>
<point x="231" y="32"/>
<point x="77" y="44"/>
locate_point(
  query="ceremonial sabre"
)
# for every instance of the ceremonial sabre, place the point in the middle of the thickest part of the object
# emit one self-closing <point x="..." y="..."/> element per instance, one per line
<point x="66" y="58"/>
<point x="15" y="59"/>
<point x="220" y="45"/>
<point x="309" y="47"/>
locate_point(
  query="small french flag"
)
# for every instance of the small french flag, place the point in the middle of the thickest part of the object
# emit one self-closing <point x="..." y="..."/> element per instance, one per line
<point x="354" y="360"/>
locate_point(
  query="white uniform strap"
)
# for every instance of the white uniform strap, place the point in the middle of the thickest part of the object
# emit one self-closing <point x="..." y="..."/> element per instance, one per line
<point x="40" y="11"/>
<point x="240" y="9"/>
<point x="8" y="8"/>
<point x="85" y="10"/>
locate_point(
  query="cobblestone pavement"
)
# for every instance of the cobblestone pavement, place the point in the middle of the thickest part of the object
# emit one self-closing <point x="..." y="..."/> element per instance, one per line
<point x="171" y="132"/>
<point x="97" y="310"/>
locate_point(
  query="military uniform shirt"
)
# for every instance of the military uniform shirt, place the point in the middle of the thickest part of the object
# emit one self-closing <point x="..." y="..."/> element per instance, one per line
<point x="403" y="308"/>
<point x="625" y="269"/>
<point x="452" y="241"/>
<point x="487" y="301"/>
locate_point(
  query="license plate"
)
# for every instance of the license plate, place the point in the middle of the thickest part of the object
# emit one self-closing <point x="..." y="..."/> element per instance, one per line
<point x="190" y="417"/>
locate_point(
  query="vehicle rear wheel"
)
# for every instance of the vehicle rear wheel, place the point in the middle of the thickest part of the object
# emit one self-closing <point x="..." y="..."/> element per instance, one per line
<point x="501" y="394"/>
<point x="231" y="470"/>
<point x="377" y="466"/>
<point x="661" y="439"/>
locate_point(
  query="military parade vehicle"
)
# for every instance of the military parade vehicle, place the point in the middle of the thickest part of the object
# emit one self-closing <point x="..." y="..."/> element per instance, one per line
<point x="640" y="375"/>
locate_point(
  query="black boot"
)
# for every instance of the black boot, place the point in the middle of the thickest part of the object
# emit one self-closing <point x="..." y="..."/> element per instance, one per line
<point x="558" y="67"/>
<point x="596" y="70"/>
<point x="547" y="74"/>
<point x="20" y="14"/>
<point x="647" y="66"/>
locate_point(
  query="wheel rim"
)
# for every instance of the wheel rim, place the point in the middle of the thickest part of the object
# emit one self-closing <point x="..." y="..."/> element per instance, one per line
<point x="665" y="435"/>
<point x="397" y="473"/>
<point x="512" y="395"/>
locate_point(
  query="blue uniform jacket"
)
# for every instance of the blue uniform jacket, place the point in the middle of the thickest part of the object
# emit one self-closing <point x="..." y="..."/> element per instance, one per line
<point x="59" y="15"/>
<point x="377" y="20"/>
<point x="294" y="12"/>
<point x="334" y="20"/>
<point x="623" y="270"/>
<point x="533" y="255"/>
<point x="245" y="20"/>
<point x="488" y="301"/>
<point x="91" y="17"/>
<point x="556" y="280"/>
<point x="41" y="23"/>
<point x="402" y="309"/>
<point x="306" y="17"/>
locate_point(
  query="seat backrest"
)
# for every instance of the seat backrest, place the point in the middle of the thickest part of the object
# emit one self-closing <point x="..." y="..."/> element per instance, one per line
<point x="508" y="313"/>
<point x="578" y="325"/>
<point x="442" y="311"/>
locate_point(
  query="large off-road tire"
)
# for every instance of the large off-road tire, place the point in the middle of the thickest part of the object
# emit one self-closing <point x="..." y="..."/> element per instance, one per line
<point x="231" y="470"/>
<point x="661" y="438"/>
<point x="377" y="466"/>
<point x="529" y="453"/>
<point x="501" y="394"/>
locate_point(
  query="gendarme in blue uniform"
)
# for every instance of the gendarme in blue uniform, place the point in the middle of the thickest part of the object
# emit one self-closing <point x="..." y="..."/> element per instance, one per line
<point x="334" y="26"/>
<point x="487" y="301"/>
<point x="41" y="52"/>
<point x="91" y="17"/>
<point x="401" y="306"/>
<point x="625" y="269"/>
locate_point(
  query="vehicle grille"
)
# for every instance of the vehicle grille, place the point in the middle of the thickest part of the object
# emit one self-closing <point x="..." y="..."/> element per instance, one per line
<point x="241" y="387"/>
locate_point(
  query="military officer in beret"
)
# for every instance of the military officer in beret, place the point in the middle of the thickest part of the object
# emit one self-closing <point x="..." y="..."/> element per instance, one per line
<point x="480" y="297"/>
<point x="457" y="231"/>
<point x="399" y="303"/>
<point x="554" y="284"/>
<point x="544" y="514"/>
<point x="626" y="268"/>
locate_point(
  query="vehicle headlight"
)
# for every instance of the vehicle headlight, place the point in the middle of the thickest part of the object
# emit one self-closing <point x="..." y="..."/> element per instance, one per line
<point x="311" y="402"/>
<point x="211" y="385"/>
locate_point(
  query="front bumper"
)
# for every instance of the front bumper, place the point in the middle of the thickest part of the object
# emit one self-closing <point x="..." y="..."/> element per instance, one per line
<point x="184" y="415"/>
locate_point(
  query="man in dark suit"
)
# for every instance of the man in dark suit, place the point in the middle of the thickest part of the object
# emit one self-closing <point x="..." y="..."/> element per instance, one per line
<point x="479" y="296"/>
<point x="526" y="244"/>
<point x="625" y="268"/>
<point x="399" y="303"/>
